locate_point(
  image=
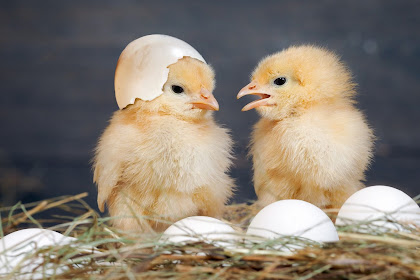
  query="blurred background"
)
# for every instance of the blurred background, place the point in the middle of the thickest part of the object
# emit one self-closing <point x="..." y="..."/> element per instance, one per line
<point x="57" y="76"/>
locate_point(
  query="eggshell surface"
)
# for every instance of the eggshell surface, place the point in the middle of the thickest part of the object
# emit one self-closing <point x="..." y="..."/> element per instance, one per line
<point x="200" y="228"/>
<point x="142" y="68"/>
<point x="382" y="206"/>
<point x="15" y="246"/>
<point x="293" y="218"/>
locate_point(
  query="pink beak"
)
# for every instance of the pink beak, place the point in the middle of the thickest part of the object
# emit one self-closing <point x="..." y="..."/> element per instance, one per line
<point x="253" y="88"/>
<point x="206" y="101"/>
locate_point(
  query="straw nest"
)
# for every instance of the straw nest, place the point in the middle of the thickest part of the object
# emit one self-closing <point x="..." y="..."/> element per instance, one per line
<point x="373" y="255"/>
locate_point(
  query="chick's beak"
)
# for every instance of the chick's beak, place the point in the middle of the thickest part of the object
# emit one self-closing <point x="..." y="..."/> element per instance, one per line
<point x="253" y="88"/>
<point x="205" y="101"/>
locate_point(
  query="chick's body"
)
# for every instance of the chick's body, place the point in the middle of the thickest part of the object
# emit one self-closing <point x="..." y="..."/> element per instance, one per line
<point x="165" y="159"/>
<point x="311" y="142"/>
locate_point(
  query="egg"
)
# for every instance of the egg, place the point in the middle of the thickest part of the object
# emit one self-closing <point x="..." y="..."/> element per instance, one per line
<point x="380" y="208"/>
<point x="200" y="228"/>
<point x="16" y="248"/>
<point x="17" y="256"/>
<point x="295" y="218"/>
<point x="142" y="68"/>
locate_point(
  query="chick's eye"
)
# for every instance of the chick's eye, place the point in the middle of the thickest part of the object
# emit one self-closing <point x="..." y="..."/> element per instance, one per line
<point x="177" y="89"/>
<point x="280" y="81"/>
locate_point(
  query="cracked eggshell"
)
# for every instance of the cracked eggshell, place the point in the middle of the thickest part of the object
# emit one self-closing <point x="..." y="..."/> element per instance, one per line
<point x="200" y="228"/>
<point x="381" y="206"/>
<point x="293" y="217"/>
<point x="142" y="68"/>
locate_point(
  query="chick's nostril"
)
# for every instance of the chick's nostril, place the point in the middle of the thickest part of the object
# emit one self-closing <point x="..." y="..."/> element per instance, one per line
<point x="204" y="96"/>
<point x="252" y="87"/>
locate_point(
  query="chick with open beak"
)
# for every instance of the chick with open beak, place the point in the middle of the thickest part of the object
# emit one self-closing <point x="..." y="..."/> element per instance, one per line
<point x="311" y="142"/>
<point x="254" y="88"/>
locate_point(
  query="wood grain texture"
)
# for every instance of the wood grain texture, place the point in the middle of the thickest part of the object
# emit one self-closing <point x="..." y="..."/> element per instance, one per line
<point x="58" y="60"/>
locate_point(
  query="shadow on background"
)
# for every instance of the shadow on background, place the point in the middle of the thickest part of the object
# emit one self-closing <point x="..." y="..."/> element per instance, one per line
<point x="58" y="60"/>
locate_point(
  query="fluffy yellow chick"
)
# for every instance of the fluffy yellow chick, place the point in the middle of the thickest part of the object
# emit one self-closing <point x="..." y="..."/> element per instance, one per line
<point x="165" y="159"/>
<point x="311" y="142"/>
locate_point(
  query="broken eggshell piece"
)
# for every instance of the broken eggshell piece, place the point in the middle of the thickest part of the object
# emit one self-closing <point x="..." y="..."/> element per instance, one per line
<point x="142" y="68"/>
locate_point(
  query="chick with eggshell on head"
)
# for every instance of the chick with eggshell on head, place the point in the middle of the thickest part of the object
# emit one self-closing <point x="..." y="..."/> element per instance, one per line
<point x="162" y="155"/>
<point x="144" y="65"/>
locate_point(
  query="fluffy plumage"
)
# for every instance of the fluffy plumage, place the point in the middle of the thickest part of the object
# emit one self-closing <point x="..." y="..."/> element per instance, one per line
<point x="165" y="158"/>
<point x="311" y="142"/>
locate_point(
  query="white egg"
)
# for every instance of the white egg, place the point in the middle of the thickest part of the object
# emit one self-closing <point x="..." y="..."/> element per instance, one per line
<point x="379" y="207"/>
<point x="16" y="247"/>
<point x="292" y="218"/>
<point x="200" y="228"/>
<point x="142" y="68"/>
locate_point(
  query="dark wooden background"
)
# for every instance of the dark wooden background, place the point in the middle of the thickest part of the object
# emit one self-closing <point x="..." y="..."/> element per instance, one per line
<point x="57" y="62"/>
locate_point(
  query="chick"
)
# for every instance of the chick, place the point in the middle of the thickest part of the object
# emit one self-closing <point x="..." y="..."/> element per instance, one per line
<point x="163" y="160"/>
<point x="311" y="142"/>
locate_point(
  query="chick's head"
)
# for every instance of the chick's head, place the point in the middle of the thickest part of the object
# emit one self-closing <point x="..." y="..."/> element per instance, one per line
<point x="294" y="79"/>
<point x="188" y="89"/>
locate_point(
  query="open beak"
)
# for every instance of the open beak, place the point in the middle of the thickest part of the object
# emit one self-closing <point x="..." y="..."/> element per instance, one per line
<point x="205" y="101"/>
<point x="253" y="88"/>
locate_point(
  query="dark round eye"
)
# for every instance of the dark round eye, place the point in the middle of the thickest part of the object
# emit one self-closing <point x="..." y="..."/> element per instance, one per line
<point x="280" y="81"/>
<point x="177" y="89"/>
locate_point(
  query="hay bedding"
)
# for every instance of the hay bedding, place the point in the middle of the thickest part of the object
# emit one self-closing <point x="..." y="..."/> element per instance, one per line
<point x="355" y="256"/>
